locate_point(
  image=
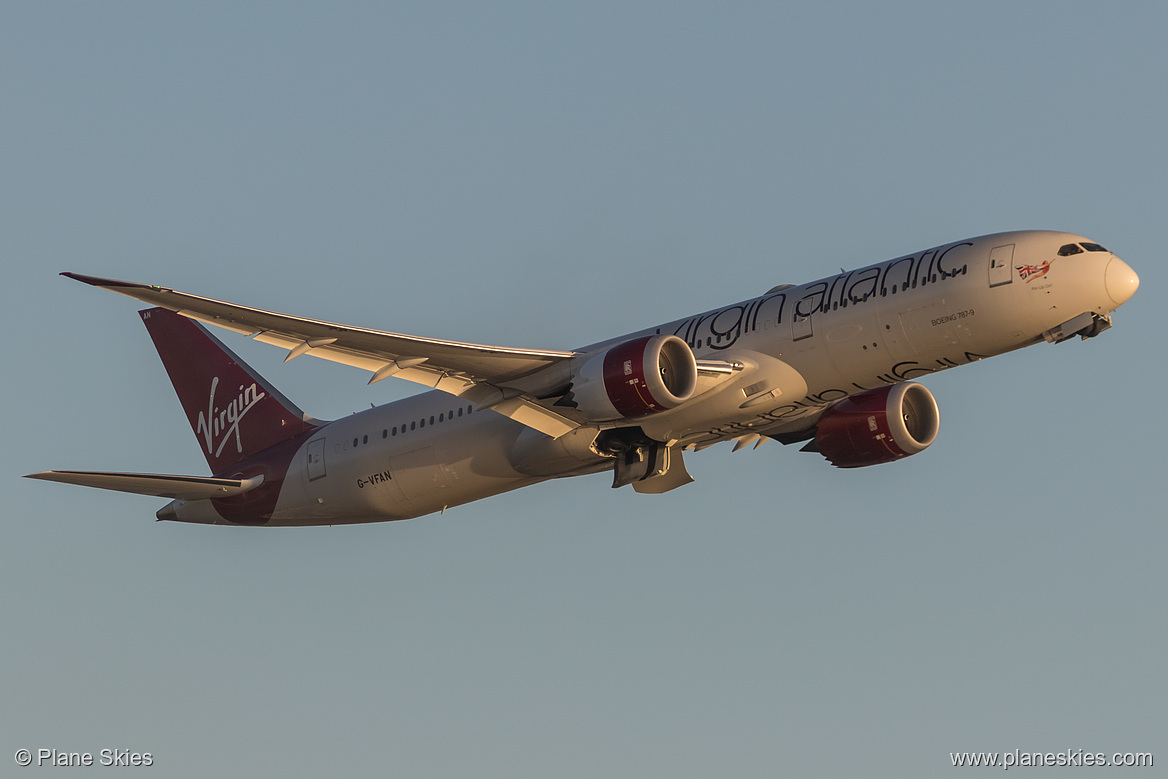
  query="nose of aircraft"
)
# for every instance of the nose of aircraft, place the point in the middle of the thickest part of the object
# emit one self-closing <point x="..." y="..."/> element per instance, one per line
<point x="1122" y="282"/>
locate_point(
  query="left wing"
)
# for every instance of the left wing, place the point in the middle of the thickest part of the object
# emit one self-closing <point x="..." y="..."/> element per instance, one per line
<point x="506" y="380"/>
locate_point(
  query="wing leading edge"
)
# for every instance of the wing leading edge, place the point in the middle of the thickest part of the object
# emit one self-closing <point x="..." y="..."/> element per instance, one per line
<point x="157" y="484"/>
<point x="507" y="380"/>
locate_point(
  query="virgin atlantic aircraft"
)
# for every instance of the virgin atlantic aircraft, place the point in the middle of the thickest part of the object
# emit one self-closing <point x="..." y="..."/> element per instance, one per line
<point x="829" y="364"/>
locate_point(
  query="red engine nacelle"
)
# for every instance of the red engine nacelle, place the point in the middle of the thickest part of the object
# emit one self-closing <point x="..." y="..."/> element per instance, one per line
<point x="878" y="426"/>
<point x="640" y="377"/>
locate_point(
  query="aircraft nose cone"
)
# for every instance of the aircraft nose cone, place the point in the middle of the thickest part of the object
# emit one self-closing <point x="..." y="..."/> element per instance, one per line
<point x="1122" y="281"/>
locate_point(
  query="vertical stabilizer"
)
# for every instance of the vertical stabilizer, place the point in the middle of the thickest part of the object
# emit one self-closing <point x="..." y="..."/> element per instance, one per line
<point x="232" y="410"/>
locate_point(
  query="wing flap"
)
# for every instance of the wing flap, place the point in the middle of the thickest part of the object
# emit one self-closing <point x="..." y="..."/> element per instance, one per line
<point x="157" y="484"/>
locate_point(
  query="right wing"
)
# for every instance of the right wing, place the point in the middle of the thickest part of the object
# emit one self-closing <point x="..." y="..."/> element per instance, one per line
<point x="157" y="484"/>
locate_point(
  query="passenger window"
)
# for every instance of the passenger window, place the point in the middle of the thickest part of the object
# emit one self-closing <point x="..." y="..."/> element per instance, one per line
<point x="442" y="417"/>
<point x="394" y="430"/>
<point x="431" y="420"/>
<point x="460" y="412"/>
<point x="354" y="442"/>
<point x="413" y="425"/>
<point x="1068" y="249"/>
<point x="365" y="439"/>
<point x="423" y="423"/>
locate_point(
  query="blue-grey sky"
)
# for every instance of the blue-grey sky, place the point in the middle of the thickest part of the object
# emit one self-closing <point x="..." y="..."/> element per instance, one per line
<point x="548" y="175"/>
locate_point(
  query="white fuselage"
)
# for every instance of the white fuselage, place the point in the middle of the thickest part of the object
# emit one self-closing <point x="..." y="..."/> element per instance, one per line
<point x="807" y="346"/>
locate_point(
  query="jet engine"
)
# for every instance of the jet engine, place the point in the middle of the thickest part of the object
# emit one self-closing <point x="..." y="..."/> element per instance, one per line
<point x="878" y="426"/>
<point x="636" y="378"/>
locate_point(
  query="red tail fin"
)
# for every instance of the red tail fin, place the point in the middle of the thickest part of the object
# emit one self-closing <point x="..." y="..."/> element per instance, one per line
<point x="233" y="411"/>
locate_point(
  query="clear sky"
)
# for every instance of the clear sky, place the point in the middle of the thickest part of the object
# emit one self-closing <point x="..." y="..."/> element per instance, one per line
<point x="546" y="176"/>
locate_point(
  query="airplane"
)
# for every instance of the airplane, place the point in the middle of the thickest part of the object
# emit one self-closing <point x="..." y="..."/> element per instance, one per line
<point x="831" y="364"/>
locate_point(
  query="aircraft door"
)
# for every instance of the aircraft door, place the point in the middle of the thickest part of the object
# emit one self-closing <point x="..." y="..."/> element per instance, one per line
<point x="315" y="459"/>
<point x="1001" y="265"/>
<point x="800" y="327"/>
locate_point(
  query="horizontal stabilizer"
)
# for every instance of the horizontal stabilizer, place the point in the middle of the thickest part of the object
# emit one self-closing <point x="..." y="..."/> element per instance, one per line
<point x="158" y="484"/>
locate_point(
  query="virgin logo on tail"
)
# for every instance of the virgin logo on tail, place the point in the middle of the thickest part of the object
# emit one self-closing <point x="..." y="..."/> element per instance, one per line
<point x="220" y="423"/>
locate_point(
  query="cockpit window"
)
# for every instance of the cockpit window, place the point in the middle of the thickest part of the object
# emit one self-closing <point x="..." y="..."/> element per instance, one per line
<point x="1068" y="249"/>
<point x="1093" y="247"/>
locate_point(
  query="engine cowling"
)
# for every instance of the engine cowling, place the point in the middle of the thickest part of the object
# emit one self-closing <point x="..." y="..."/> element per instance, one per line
<point x="637" y="378"/>
<point x="878" y="426"/>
